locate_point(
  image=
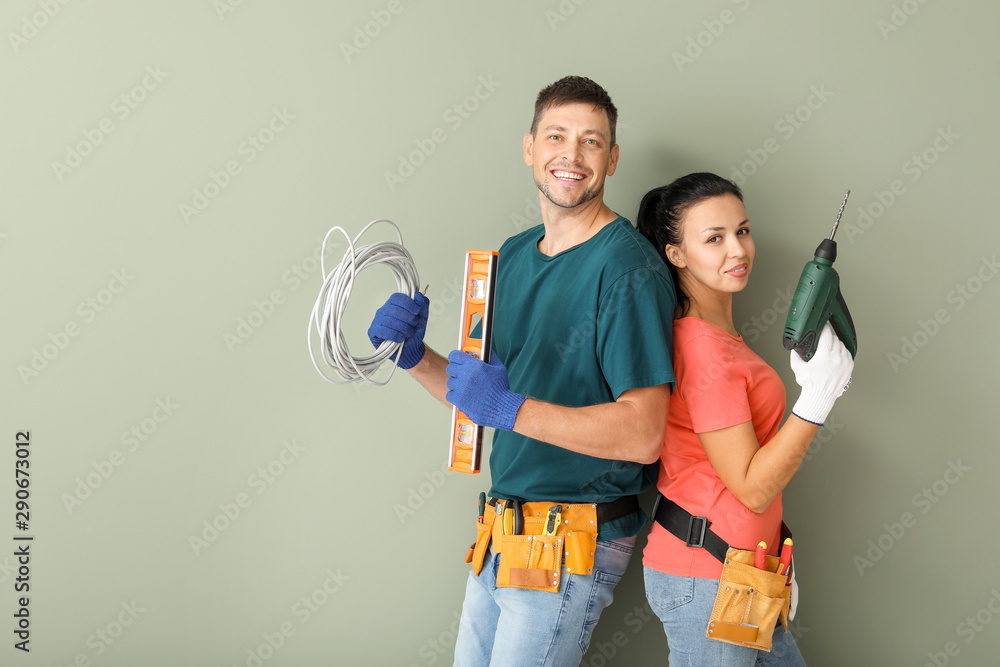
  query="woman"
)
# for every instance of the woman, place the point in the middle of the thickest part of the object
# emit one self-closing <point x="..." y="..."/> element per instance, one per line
<point x="724" y="457"/>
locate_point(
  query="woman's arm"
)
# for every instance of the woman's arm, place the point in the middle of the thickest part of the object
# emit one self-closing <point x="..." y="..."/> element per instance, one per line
<point x="756" y="475"/>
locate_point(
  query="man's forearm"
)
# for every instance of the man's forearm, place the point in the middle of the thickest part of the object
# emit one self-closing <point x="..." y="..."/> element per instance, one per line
<point x="430" y="372"/>
<point x="630" y="429"/>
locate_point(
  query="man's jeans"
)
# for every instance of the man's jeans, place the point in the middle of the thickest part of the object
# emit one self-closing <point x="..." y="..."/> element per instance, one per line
<point x="516" y="626"/>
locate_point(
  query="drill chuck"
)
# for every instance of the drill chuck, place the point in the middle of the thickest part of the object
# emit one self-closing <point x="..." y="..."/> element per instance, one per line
<point x="827" y="249"/>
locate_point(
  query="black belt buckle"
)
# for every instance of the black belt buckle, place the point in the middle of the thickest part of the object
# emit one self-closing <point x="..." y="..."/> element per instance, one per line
<point x="697" y="525"/>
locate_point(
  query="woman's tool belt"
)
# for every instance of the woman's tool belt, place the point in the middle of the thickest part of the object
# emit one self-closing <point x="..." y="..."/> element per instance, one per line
<point x="531" y="539"/>
<point x="750" y="600"/>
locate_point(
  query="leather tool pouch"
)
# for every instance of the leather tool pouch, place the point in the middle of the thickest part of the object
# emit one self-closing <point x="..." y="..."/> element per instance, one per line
<point x="477" y="552"/>
<point x="749" y="602"/>
<point x="535" y="560"/>
<point x="531" y="561"/>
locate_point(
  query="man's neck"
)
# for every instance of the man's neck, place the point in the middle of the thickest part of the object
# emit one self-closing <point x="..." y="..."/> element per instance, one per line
<point x="566" y="228"/>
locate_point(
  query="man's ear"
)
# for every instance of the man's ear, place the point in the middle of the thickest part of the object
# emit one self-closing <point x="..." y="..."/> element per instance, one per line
<point x="529" y="142"/>
<point x="613" y="163"/>
<point x="676" y="256"/>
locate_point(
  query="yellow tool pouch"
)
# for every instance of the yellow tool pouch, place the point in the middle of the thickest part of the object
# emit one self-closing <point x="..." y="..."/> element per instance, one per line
<point x="534" y="559"/>
<point x="477" y="552"/>
<point x="531" y="561"/>
<point x="749" y="602"/>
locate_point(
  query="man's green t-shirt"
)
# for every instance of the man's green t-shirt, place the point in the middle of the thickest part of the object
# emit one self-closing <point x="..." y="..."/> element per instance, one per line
<point x="578" y="329"/>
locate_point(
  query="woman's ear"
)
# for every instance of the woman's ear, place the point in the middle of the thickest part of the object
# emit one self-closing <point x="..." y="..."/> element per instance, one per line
<point x="675" y="256"/>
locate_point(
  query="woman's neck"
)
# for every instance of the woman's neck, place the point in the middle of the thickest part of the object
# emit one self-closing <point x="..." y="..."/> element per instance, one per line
<point x="714" y="307"/>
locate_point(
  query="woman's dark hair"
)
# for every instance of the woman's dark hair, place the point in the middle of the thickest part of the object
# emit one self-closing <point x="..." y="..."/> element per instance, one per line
<point x="661" y="210"/>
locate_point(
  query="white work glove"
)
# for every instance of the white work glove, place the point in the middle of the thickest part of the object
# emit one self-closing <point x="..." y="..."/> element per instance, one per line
<point x="823" y="378"/>
<point x="795" y="594"/>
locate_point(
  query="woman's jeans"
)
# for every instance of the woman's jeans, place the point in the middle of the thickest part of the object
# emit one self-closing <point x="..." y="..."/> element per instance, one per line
<point x="684" y="606"/>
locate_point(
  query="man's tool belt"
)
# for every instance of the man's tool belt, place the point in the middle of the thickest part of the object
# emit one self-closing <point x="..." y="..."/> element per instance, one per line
<point x="531" y="544"/>
<point x="750" y="600"/>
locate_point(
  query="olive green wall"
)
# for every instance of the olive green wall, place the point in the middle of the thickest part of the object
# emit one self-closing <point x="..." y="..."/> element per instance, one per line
<point x="199" y="496"/>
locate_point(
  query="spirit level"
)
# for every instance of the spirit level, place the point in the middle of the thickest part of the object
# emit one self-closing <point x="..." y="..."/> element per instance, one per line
<point x="466" y="447"/>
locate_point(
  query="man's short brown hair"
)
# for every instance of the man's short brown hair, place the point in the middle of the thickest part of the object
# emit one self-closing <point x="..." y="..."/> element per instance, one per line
<point x="571" y="89"/>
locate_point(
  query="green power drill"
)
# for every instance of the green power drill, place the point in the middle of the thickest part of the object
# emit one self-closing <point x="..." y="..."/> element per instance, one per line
<point x="818" y="300"/>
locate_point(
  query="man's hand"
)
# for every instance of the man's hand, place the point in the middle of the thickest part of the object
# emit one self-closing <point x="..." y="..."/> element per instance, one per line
<point x="482" y="391"/>
<point x="402" y="320"/>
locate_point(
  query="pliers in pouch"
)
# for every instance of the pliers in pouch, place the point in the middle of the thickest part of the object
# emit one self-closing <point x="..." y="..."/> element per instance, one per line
<point x="513" y="517"/>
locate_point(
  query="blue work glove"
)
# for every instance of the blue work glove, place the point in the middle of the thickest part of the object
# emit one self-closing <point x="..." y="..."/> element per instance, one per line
<point x="402" y="320"/>
<point x="482" y="391"/>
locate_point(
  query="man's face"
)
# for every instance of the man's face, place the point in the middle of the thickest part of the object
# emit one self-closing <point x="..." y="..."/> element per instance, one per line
<point x="571" y="153"/>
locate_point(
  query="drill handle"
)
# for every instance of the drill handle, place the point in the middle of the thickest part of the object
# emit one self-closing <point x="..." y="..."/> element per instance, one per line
<point x="843" y="325"/>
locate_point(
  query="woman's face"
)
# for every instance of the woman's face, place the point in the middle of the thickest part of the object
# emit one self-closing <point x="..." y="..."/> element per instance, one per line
<point x="717" y="250"/>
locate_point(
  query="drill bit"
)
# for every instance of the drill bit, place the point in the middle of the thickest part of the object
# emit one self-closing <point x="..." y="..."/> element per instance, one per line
<point x="840" y="213"/>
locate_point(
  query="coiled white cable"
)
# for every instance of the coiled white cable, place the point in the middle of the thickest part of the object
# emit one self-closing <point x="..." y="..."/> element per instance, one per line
<point x="336" y="292"/>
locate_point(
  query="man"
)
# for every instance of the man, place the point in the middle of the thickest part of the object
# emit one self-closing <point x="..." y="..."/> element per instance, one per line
<point x="577" y="389"/>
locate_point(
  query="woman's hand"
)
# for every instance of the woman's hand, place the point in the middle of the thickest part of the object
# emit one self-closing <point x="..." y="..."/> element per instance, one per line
<point x="823" y="379"/>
